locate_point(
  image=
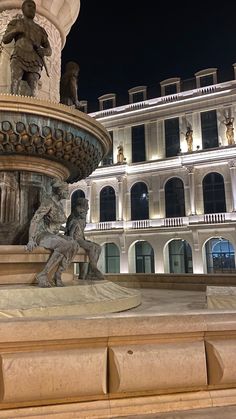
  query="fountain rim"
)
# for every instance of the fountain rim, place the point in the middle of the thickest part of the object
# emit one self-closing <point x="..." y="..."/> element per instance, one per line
<point x="58" y="111"/>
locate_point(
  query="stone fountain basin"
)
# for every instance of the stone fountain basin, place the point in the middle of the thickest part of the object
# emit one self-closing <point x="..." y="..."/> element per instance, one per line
<point x="49" y="138"/>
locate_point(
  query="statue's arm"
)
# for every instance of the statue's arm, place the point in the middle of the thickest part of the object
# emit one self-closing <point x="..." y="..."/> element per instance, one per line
<point x="34" y="230"/>
<point x="13" y="29"/>
<point x="45" y="48"/>
<point x="74" y="91"/>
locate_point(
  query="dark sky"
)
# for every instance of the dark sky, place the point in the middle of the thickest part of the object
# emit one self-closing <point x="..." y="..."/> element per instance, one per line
<point x="121" y="44"/>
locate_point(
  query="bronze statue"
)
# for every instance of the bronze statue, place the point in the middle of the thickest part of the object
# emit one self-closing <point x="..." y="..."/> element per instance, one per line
<point x="120" y="155"/>
<point x="31" y="45"/>
<point x="229" y="130"/>
<point x="69" y="85"/>
<point x="75" y="226"/>
<point x="189" y="138"/>
<point x="44" y="231"/>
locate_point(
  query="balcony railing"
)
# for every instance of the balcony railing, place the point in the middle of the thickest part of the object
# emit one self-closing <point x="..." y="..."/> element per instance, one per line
<point x="174" y="222"/>
<point x="200" y="91"/>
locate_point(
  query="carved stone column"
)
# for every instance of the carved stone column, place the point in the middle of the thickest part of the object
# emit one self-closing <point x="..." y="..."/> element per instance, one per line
<point x="190" y="170"/>
<point x="120" y="200"/>
<point x="232" y="169"/>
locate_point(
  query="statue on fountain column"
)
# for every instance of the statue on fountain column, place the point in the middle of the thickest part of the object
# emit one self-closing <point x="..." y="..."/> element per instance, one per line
<point x="31" y="46"/>
<point x="69" y="85"/>
<point x="44" y="231"/>
<point x="75" y="226"/>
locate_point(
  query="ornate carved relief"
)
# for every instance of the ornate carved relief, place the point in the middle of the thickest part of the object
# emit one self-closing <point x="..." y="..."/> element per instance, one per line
<point x="48" y="87"/>
<point x="77" y="153"/>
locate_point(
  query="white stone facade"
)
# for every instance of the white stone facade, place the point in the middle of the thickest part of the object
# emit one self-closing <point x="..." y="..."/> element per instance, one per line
<point x="195" y="227"/>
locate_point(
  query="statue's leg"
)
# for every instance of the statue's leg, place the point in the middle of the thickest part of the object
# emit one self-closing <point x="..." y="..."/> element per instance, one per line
<point x="32" y="80"/>
<point x="61" y="268"/>
<point x="70" y="248"/>
<point x="82" y="270"/>
<point x="42" y="277"/>
<point x="16" y="77"/>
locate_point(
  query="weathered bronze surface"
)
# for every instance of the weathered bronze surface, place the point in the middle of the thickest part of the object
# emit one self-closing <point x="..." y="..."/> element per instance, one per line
<point x="75" y="226"/>
<point x="45" y="230"/>
<point x="31" y="46"/>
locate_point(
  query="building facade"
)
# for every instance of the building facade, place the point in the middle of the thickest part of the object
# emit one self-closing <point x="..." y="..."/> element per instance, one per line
<point x="164" y="199"/>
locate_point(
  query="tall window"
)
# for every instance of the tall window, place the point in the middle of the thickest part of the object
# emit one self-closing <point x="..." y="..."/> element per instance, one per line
<point x="209" y="129"/>
<point x="144" y="257"/>
<point x="139" y="202"/>
<point x="138" y="143"/>
<point x="108" y="159"/>
<point x="180" y="257"/>
<point x="214" y="193"/>
<point x="219" y="256"/>
<point x="107" y="204"/>
<point x="174" y="198"/>
<point x="172" y="137"/>
<point x="77" y="194"/>
<point x="112" y="258"/>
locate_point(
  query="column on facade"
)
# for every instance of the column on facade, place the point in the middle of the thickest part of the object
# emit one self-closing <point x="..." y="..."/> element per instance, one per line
<point x="197" y="256"/>
<point x="124" y="262"/>
<point x="232" y="167"/>
<point x="119" y="201"/>
<point x="190" y="170"/>
<point x="88" y="197"/>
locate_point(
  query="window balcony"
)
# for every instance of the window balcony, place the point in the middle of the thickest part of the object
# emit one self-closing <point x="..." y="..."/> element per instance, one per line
<point x="164" y="223"/>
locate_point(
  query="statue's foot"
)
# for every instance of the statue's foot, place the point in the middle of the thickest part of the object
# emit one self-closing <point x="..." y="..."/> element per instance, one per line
<point x="59" y="283"/>
<point x="95" y="275"/>
<point x="43" y="281"/>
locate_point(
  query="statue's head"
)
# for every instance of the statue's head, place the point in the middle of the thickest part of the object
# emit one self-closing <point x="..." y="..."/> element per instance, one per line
<point x="72" y="67"/>
<point x="81" y="208"/>
<point x="61" y="189"/>
<point x="29" y="8"/>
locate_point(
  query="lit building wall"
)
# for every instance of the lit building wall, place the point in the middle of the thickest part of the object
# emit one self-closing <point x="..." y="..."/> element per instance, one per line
<point x="192" y="108"/>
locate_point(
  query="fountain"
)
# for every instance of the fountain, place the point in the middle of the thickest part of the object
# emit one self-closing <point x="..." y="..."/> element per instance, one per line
<point x="40" y="140"/>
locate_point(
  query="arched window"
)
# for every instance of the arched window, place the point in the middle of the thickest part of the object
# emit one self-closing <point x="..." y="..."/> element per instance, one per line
<point x="139" y="202"/>
<point x="174" y="198"/>
<point x="77" y="194"/>
<point x="219" y="256"/>
<point x="112" y="258"/>
<point x="144" y="257"/>
<point x="180" y="257"/>
<point x="107" y="204"/>
<point x="214" y="193"/>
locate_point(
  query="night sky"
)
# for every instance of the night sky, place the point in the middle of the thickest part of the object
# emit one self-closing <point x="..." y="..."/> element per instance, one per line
<point x="126" y="43"/>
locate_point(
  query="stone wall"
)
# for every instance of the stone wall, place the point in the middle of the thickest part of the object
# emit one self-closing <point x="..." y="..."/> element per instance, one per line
<point x="107" y="367"/>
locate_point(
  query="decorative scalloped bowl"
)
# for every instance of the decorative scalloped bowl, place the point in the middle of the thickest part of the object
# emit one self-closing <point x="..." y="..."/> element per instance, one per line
<point x="49" y="138"/>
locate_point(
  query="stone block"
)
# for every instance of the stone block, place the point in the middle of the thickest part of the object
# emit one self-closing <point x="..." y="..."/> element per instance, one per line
<point x="58" y="374"/>
<point x="221" y="356"/>
<point x="160" y="366"/>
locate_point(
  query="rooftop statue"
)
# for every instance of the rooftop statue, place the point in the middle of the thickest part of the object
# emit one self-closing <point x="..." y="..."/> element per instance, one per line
<point x="75" y="226"/>
<point x="69" y="85"/>
<point x="31" y="46"/>
<point x="44" y="231"/>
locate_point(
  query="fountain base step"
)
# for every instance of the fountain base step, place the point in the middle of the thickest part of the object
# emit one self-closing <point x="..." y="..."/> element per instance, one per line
<point x="81" y="298"/>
